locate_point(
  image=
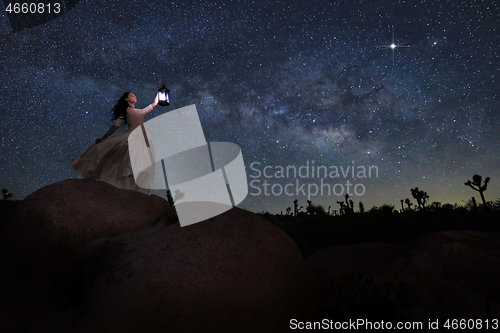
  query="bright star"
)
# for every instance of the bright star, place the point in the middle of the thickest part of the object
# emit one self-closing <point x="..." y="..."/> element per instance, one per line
<point x="393" y="46"/>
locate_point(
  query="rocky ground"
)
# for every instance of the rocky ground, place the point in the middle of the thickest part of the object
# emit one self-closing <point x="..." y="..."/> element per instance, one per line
<point x="83" y="256"/>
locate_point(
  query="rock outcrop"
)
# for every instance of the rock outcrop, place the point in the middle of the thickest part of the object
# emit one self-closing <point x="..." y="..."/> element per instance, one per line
<point x="235" y="272"/>
<point x="83" y="256"/>
<point x="445" y="274"/>
<point x="46" y="234"/>
<point x="73" y="212"/>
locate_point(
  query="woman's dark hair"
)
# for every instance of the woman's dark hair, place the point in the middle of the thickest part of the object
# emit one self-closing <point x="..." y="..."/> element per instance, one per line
<point x="120" y="108"/>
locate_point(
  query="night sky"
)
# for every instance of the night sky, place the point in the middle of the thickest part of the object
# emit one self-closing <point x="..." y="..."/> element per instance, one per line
<point x="290" y="82"/>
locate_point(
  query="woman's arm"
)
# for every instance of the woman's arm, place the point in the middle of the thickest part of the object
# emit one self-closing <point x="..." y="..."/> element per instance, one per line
<point x="148" y="109"/>
<point x="110" y="131"/>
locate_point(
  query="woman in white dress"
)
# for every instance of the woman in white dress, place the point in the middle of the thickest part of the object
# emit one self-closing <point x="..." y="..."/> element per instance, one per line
<point x="108" y="159"/>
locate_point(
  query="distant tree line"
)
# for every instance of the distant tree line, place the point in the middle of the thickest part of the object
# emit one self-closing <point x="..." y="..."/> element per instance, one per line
<point x="346" y="206"/>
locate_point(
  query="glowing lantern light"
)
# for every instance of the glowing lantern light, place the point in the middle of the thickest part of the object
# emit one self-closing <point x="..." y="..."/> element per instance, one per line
<point x="163" y="95"/>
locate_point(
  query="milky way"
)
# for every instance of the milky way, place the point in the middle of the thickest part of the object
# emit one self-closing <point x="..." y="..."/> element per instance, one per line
<point x="290" y="82"/>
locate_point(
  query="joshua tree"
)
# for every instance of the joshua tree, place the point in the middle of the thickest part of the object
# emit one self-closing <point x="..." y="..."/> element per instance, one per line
<point x="309" y="208"/>
<point x="349" y="205"/>
<point x="6" y="194"/>
<point x="420" y="196"/>
<point x="402" y="205"/>
<point x="361" y="207"/>
<point x="289" y="211"/>
<point x="408" y="203"/>
<point x="296" y="208"/>
<point x="342" y="207"/>
<point x="476" y="185"/>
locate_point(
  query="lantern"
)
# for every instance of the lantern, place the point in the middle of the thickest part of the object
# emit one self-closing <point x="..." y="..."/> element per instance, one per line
<point x="163" y="95"/>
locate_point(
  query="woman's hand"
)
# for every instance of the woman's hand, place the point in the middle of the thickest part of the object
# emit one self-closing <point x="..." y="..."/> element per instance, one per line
<point x="155" y="102"/>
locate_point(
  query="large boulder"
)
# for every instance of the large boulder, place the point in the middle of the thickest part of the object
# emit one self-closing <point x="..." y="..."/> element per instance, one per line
<point x="235" y="272"/>
<point x="25" y="301"/>
<point x="46" y="234"/>
<point x="73" y="212"/>
<point x="444" y="274"/>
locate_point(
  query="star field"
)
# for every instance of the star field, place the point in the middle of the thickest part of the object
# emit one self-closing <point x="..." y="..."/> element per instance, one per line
<point x="287" y="81"/>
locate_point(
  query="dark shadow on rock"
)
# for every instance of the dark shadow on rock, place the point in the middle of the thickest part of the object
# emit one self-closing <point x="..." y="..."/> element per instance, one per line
<point x="235" y="272"/>
<point x="445" y="274"/>
<point x="44" y="238"/>
<point x="83" y="256"/>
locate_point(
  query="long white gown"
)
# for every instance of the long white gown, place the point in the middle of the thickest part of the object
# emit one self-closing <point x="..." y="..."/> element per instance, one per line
<point x="109" y="160"/>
